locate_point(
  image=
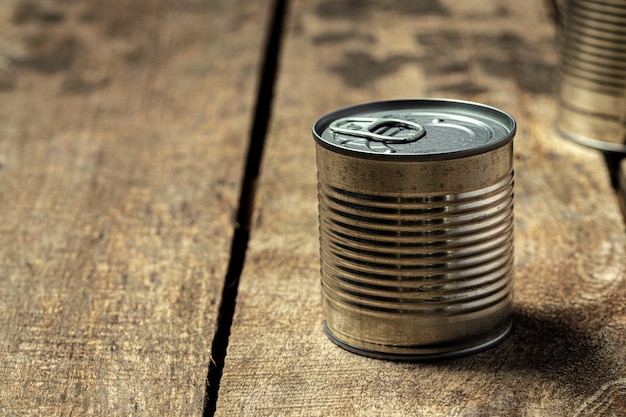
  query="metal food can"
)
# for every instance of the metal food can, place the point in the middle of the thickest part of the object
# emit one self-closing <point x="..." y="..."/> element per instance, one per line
<point x="416" y="227"/>
<point x="593" y="74"/>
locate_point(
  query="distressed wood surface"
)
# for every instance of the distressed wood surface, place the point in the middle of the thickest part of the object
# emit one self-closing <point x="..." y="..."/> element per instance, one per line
<point x="565" y="356"/>
<point x="123" y="128"/>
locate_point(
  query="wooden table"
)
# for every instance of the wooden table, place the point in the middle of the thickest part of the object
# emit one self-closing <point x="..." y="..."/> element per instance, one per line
<point x="158" y="248"/>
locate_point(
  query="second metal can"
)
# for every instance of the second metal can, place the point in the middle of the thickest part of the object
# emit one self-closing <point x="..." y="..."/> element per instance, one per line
<point x="416" y="227"/>
<point x="593" y="74"/>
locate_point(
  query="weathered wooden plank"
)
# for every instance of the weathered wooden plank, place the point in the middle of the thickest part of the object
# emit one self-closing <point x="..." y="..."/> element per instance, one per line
<point x="123" y="127"/>
<point x="565" y="355"/>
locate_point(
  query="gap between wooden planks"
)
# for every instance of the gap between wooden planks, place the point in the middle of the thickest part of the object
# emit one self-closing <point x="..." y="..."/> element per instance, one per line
<point x="246" y="207"/>
<point x="122" y="137"/>
<point x="565" y="356"/>
<point x="621" y="185"/>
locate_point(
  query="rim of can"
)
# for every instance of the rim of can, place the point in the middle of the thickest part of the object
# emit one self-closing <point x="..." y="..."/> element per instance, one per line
<point x="463" y="107"/>
<point x="424" y="357"/>
<point x="598" y="144"/>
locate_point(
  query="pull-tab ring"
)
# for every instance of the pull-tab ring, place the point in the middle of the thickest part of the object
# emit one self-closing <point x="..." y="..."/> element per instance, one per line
<point x="365" y="127"/>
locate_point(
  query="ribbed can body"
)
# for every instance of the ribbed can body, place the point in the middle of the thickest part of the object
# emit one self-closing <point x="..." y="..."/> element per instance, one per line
<point x="416" y="254"/>
<point x="593" y="74"/>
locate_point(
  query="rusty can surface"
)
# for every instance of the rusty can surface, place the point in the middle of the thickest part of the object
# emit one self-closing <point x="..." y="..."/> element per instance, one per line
<point x="416" y="227"/>
<point x="593" y="74"/>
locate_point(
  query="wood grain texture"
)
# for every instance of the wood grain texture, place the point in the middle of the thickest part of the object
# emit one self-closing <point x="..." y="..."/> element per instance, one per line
<point x="565" y="355"/>
<point x="123" y="128"/>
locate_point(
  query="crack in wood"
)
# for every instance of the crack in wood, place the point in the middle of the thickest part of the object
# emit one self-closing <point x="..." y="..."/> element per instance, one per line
<point x="246" y="207"/>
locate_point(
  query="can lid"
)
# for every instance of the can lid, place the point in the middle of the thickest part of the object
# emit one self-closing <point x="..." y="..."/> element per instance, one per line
<point x="421" y="129"/>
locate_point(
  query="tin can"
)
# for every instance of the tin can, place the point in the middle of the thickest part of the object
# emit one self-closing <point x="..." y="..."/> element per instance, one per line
<point x="416" y="227"/>
<point x="593" y="74"/>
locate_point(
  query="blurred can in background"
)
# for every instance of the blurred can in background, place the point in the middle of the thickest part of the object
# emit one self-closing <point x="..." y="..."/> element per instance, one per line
<point x="416" y="227"/>
<point x="593" y="73"/>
